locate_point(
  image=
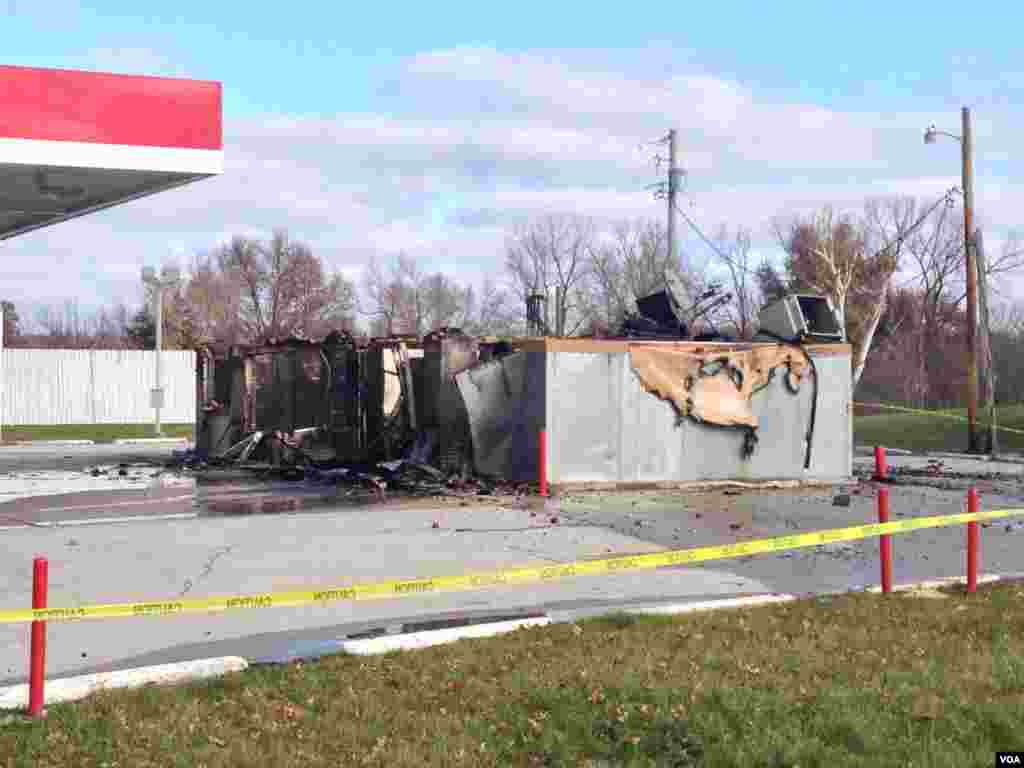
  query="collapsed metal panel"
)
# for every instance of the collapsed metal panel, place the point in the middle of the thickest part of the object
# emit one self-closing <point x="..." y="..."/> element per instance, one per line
<point x="454" y="355"/>
<point x="505" y="406"/>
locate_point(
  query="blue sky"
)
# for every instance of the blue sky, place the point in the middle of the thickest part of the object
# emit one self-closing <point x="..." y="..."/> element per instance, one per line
<point x="432" y="128"/>
<point x="862" y="56"/>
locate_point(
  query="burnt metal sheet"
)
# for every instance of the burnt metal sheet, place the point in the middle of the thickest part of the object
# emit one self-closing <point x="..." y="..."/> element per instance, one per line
<point x="504" y="402"/>
<point x="716" y="387"/>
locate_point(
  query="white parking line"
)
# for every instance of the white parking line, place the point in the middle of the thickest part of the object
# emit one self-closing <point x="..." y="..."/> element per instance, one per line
<point x="116" y="504"/>
<point x="100" y="521"/>
<point x="126" y="519"/>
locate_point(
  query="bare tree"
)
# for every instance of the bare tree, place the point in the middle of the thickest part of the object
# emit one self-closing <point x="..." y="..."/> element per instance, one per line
<point x="284" y="290"/>
<point x="771" y="284"/>
<point x="445" y="302"/>
<point x="1009" y="260"/>
<point x="742" y="311"/>
<point x="1008" y="317"/>
<point x="11" y="323"/>
<point x="828" y="255"/>
<point x="109" y="327"/>
<point x="403" y="298"/>
<point x="932" y="254"/>
<point x="551" y="252"/>
<point x="396" y="298"/>
<point x="313" y="303"/>
<point x="66" y="326"/>
<point x="215" y="299"/>
<point x="632" y="261"/>
<point x="410" y="283"/>
<point x="380" y="299"/>
<point x="489" y="313"/>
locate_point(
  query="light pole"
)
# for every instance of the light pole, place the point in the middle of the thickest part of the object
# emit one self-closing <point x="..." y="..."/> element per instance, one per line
<point x="169" y="276"/>
<point x="967" y="172"/>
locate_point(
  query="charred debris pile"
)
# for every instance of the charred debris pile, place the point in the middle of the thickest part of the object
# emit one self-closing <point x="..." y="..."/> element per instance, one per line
<point x="380" y="412"/>
<point x="389" y="412"/>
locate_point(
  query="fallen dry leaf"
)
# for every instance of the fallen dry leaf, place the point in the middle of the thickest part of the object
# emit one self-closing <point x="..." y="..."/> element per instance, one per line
<point x="928" y="707"/>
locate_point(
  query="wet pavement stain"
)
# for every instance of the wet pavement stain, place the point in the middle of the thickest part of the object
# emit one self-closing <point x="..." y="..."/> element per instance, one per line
<point x="276" y="505"/>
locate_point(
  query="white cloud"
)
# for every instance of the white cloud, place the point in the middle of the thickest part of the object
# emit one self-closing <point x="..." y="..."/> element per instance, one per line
<point x="130" y="60"/>
<point x="480" y="139"/>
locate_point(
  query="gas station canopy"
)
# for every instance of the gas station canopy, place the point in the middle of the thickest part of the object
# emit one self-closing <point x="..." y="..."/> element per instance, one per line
<point x="76" y="142"/>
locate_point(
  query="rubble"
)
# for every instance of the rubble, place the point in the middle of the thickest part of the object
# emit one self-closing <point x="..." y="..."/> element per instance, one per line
<point x="424" y="414"/>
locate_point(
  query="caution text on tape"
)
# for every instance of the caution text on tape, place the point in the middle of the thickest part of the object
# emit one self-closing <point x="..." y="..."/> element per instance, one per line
<point x="511" y="576"/>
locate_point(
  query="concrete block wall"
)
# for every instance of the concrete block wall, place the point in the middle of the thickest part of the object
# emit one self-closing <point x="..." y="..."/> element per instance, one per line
<point x="602" y="427"/>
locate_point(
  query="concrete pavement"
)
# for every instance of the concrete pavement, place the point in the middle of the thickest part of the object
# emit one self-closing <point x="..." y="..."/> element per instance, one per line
<point x="271" y="553"/>
<point x="339" y="543"/>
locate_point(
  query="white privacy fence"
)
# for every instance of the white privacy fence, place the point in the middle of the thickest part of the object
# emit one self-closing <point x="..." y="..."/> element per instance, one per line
<point x="70" y="386"/>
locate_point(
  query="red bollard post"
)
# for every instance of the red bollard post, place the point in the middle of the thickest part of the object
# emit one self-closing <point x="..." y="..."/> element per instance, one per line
<point x="881" y="470"/>
<point x="542" y="459"/>
<point x="972" y="543"/>
<point x="885" y="541"/>
<point x="37" y="662"/>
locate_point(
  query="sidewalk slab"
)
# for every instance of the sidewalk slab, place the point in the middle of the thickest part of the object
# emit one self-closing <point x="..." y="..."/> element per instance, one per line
<point x="152" y="441"/>
<point x="34" y="443"/>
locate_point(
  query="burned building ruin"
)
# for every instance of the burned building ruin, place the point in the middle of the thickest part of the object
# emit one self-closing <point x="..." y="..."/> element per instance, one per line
<point x="647" y="407"/>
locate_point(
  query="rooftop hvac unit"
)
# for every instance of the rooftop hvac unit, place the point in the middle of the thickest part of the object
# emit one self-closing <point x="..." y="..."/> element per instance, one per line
<point x="800" y="317"/>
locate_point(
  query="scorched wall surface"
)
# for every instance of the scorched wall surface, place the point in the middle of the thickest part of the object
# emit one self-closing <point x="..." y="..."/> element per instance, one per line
<point x="603" y="427"/>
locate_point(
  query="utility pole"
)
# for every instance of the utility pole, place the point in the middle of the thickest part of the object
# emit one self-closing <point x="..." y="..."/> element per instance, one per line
<point x="158" y="395"/>
<point x="991" y="441"/>
<point x="169" y="277"/>
<point x="673" y="187"/>
<point x="967" y="150"/>
<point x="966" y="140"/>
<point x="669" y="192"/>
<point x="675" y="174"/>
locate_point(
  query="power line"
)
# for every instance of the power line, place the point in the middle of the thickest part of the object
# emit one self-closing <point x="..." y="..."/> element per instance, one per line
<point x="711" y="245"/>
<point x="946" y="198"/>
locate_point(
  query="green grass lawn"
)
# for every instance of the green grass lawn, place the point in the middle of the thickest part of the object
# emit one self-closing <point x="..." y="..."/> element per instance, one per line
<point x="932" y="432"/>
<point x="98" y="432"/>
<point x="854" y="680"/>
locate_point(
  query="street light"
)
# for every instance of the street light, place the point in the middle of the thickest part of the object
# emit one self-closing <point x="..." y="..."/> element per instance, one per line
<point x="971" y="264"/>
<point x="169" y="276"/>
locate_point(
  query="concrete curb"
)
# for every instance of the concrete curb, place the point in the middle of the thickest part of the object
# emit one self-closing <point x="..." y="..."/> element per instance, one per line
<point x="937" y="583"/>
<point x="152" y="441"/>
<point x="415" y="640"/>
<point x="75" y="688"/>
<point x="55" y="443"/>
<point x="869" y="450"/>
<point x="711" y="605"/>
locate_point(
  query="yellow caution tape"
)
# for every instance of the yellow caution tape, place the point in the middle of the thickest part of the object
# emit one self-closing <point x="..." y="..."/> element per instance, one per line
<point x="938" y="414"/>
<point x="386" y="589"/>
